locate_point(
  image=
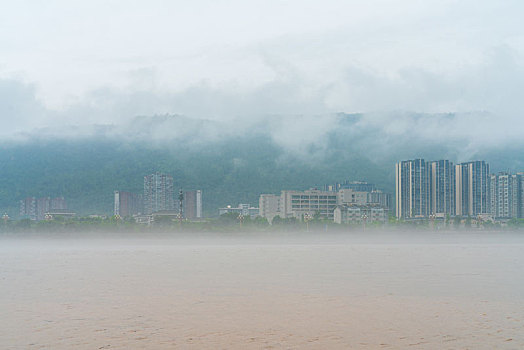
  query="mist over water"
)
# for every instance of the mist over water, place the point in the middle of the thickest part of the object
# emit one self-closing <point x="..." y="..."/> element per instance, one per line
<point x="359" y="290"/>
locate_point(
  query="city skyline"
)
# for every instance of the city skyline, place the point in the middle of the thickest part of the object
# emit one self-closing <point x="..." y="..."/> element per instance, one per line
<point x="438" y="188"/>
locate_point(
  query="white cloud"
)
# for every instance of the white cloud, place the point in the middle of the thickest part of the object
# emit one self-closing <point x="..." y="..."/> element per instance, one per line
<point x="285" y="66"/>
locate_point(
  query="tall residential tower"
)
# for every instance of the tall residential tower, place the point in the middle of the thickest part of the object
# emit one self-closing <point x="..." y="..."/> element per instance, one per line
<point x="472" y="189"/>
<point x="412" y="190"/>
<point x="442" y="188"/>
<point x="158" y="193"/>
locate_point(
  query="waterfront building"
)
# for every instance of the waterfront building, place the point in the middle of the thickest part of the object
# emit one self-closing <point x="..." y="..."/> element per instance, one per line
<point x="43" y="205"/>
<point x="506" y="195"/>
<point x="269" y="206"/>
<point x="441" y="188"/>
<point x="501" y="195"/>
<point x="58" y="203"/>
<point x="518" y="189"/>
<point x="411" y="189"/>
<point x="59" y="213"/>
<point x="192" y="204"/>
<point x="36" y="208"/>
<point x="315" y="202"/>
<point x="472" y="189"/>
<point x="127" y="204"/>
<point x="298" y="203"/>
<point x="28" y="208"/>
<point x="158" y="193"/>
<point x="382" y="199"/>
<point x="242" y="208"/>
<point x="357" y="213"/>
<point x="350" y="196"/>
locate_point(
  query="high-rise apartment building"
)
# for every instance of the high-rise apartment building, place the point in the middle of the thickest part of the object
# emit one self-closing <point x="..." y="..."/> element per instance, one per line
<point x="506" y="195"/>
<point x="412" y="189"/>
<point x="441" y="176"/>
<point x="127" y="204"/>
<point x="158" y="193"/>
<point x="501" y="195"/>
<point x="472" y="189"/>
<point x="518" y="190"/>
<point x="439" y="188"/>
<point x="192" y="204"/>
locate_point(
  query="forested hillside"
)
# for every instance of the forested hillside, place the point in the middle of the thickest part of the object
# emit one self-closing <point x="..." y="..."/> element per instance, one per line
<point x="235" y="168"/>
<point x="87" y="172"/>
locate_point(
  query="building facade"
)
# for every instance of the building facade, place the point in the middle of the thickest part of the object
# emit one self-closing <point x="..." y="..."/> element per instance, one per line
<point x="472" y="189"/>
<point x="298" y="203"/>
<point x="242" y="208"/>
<point x="158" y="193"/>
<point x="192" y="204"/>
<point x="28" y="208"/>
<point x="382" y="199"/>
<point x="269" y="206"/>
<point x="352" y="197"/>
<point x="58" y="203"/>
<point x="127" y="204"/>
<point x="441" y="188"/>
<point x="357" y="214"/>
<point x="359" y="186"/>
<point x="411" y="189"/>
<point x="43" y="205"/>
<point x="506" y="192"/>
<point x="519" y="193"/>
<point x="36" y="208"/>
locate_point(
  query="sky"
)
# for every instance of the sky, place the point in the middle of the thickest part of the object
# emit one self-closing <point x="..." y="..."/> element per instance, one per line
<point x="106" y="62"/>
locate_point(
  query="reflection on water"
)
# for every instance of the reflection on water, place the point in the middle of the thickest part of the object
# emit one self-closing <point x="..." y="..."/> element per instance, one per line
<point x="370" y="291"/>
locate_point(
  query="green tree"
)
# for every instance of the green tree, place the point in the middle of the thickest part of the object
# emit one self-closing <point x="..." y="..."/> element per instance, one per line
<point x="456" y="221"/>
<point x="260" y="221"/>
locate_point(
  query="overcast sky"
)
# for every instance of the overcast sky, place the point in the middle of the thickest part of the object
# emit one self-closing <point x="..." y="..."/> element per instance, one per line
<point x="108" y="61"/>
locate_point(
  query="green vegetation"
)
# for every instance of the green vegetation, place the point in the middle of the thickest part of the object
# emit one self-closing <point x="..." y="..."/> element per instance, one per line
<point x="226" y="223"/>
<point x="86" y="172"/>
<point x="516" y="223"/>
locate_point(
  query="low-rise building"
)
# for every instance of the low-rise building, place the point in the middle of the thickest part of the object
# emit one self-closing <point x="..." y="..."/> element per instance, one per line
<point x="312" y="202"/>
<point x="352" y="197"/>
<point x="59" y="213"/>
<point x="244" y="209"/>
<point x="36" y="209"/>
<point x="269" y="206"/>
<point x="354" y="214"/>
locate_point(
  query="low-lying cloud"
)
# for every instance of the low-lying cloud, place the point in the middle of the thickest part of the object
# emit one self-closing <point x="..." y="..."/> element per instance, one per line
<point x="478" y="108"/>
